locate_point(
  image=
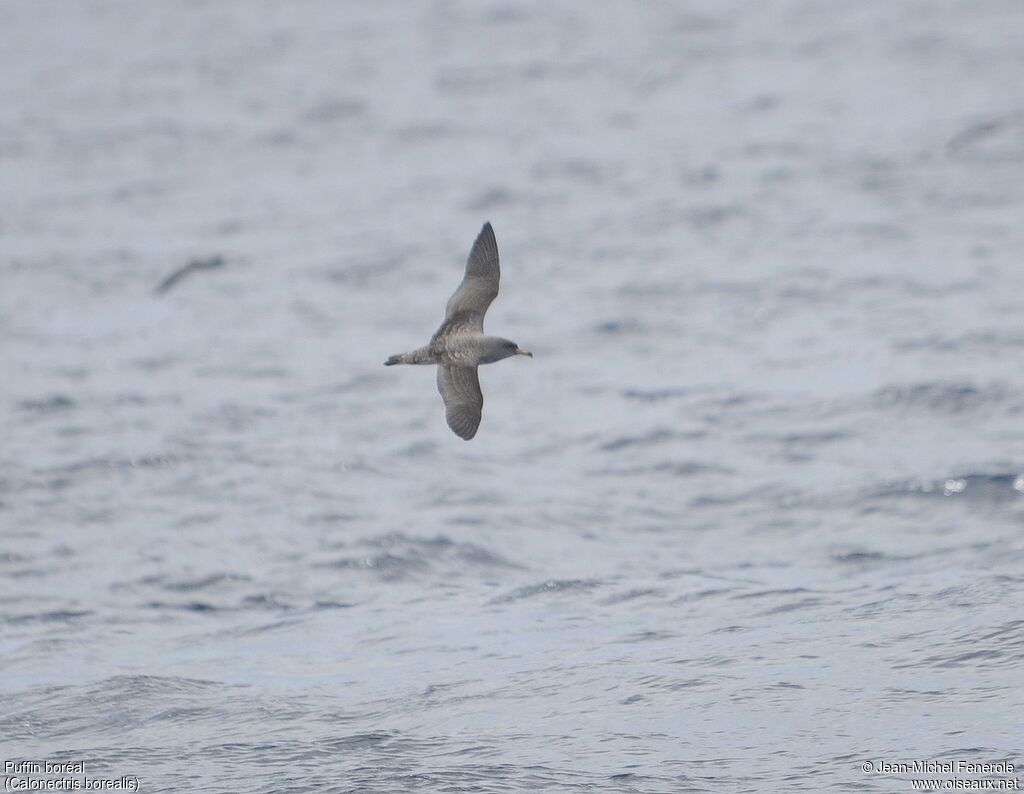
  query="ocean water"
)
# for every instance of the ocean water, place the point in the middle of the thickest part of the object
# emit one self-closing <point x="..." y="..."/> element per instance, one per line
<point x="750" y="519"/>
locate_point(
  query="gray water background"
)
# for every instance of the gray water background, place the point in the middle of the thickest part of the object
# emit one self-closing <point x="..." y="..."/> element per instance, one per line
<point x="750" y="517"/>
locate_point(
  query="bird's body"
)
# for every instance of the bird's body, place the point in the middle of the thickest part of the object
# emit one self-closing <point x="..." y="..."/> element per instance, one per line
<point x="464" y="349"/>
<point x="459" y="346"/>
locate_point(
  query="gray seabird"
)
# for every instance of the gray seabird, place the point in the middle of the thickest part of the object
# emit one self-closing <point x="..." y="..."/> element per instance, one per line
<point x="460" y="346"/>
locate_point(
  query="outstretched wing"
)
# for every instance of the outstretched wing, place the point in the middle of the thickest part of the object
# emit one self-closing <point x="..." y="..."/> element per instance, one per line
<point x="480" y="284"/>
<point x="463" y="400"/>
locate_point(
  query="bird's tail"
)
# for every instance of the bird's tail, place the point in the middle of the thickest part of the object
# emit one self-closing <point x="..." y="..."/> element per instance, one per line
<point x="420" y="356"/>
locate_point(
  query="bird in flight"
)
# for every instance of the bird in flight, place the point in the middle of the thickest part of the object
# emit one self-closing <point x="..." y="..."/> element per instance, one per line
<point x="460" y="345"/>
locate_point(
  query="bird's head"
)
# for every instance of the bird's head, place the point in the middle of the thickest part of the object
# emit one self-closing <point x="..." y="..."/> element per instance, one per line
<point x="497" y="348"/>
<point x="516" y="350"/>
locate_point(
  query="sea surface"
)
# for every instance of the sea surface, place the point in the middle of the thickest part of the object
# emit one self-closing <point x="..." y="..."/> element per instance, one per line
<point x="751" y="518"/>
